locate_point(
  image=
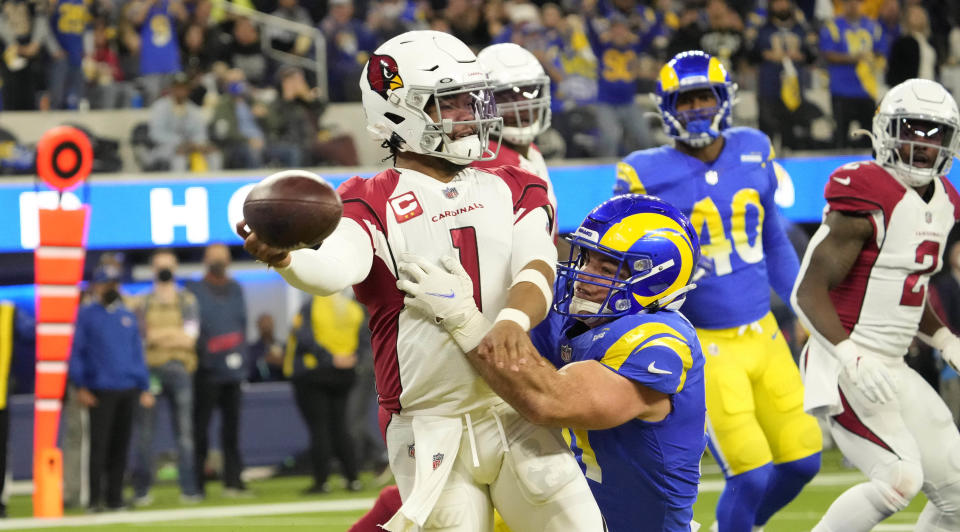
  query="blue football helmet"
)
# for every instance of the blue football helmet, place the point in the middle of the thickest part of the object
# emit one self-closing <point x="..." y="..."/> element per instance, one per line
<point x="694" y="70"/>
<point x="654" y="245"/>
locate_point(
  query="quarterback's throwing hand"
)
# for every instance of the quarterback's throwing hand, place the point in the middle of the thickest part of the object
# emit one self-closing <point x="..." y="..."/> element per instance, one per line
<point x="275" y="257"/>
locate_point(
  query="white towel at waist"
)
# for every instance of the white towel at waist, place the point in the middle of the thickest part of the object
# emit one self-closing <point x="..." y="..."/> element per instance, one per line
<point x="438" y="442"/>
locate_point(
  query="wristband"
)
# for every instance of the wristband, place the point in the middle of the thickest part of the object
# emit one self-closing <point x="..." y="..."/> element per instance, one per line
<point x="534" y="276"/>
<point x="470" y="331"/>
<point x="515" y="315"/>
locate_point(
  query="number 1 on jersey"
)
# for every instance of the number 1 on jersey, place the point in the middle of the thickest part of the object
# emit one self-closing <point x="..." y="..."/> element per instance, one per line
<point x="465" y="240"/>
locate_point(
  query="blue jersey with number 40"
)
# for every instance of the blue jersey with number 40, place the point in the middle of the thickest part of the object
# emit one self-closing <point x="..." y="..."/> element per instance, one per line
<point x="730" y="203"/>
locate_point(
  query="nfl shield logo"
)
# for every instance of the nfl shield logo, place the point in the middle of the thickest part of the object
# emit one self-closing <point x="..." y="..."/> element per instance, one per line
<point x="566" y="352"/>
<point x="929" y="217"/>
<point x="437" y="460"/>
<point x="450" y="192"/>
<point x="411" y="451"/>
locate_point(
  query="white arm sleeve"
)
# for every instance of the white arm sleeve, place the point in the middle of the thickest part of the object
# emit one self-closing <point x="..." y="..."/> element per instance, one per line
<point x="344" y="259"/>
<point x="532" y="241"/>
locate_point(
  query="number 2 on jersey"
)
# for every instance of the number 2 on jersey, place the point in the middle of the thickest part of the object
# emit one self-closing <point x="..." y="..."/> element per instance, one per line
<point x="706" y="213"/>
<point x="465" y="240"/>
<point x="912" y="294"/>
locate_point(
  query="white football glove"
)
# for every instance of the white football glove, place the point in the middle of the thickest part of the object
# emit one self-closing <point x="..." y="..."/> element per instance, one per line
<point x="870" y="375"/>
<point x="949" y="346"/>
<point x="445" y="295"/>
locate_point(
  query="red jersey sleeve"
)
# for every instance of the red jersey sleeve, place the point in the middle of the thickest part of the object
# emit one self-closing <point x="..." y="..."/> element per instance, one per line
<point x="954" y="197"/>
<point x="863" y="187"/>
<point x="528" y="191"/>
<point x="365" y="200"/>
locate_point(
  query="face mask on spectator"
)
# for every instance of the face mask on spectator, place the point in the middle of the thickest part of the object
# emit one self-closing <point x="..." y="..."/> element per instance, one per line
<point x="110" y="295"/>
<point x="164" y="275"/>
<point x="217" y="269"/>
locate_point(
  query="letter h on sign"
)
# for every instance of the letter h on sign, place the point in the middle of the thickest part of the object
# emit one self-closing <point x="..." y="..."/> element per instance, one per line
<point x="165" y="216"/>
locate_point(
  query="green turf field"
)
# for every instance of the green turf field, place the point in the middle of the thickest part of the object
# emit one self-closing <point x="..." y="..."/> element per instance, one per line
<point x="800" y="515"/>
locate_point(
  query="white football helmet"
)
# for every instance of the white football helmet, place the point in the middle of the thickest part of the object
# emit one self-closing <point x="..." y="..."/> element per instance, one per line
<point x="522" y="90"/>
<point x="916" y="109"/>
<point x="418" y="68"/>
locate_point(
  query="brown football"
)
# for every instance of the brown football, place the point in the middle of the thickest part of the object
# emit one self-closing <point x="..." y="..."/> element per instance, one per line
<point x="292" y="209"/>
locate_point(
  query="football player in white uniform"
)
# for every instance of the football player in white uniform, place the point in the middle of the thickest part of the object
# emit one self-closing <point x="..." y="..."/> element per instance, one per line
<point x="457" y="450"/>
<point x="862" y="294"/>
<point x="521" y="89"/>
<point x="522" y="93"/>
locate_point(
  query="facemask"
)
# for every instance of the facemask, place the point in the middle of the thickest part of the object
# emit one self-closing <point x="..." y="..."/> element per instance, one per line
<point x="165" y="275"/>
<point x="110" y="296"/>
<point x="217" y="269"/>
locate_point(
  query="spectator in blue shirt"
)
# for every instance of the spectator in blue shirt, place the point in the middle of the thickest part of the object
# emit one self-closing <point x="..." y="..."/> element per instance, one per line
<point x="784" y="46"/>
<point x="108" y="369"/>
<point x="349" y="44"/>
<point x="622" y="124"/>
<point x="848" y="44"/>
<point x="159" y="52"/>
<point x="70" y="22"/>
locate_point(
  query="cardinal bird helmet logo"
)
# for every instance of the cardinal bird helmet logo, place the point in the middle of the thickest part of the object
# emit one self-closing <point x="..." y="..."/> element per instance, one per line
<point x="383" y="74"/>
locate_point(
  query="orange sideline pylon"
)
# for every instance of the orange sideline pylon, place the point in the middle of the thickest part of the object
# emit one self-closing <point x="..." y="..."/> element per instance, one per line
<point x="48" y="484"/>
<point x="64" y="160"/>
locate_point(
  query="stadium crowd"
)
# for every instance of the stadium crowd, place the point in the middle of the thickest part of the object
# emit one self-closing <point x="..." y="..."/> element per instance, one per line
<point x="235" y="106"/>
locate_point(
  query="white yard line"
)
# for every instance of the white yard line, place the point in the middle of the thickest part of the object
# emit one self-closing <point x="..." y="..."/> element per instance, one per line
<point x="140" y="516"/>
<point x="190" y="513"/>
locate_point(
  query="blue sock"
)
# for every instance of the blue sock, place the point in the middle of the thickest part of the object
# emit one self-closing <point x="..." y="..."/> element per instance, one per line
<point x="737" y="507"/>
<point x="785" y="483"/>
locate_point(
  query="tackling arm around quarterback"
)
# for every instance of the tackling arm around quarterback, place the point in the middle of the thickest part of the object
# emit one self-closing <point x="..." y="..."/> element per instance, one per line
<point x="581" y="395"/>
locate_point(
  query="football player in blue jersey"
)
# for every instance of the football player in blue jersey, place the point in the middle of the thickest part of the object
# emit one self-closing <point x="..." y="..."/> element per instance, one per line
<point x="723" y="179"/>
<point x="629" y="393"/>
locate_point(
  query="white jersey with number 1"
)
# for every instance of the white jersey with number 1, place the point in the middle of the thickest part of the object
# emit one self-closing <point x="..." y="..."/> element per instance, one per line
<point x="480" y="217"/>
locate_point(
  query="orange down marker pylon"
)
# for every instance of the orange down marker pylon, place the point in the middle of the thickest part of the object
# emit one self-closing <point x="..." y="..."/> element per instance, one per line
<point x="64" y="160"/>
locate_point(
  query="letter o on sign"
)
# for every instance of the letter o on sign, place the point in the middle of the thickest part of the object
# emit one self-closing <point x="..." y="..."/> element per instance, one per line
<point x="64" y="157"/>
